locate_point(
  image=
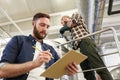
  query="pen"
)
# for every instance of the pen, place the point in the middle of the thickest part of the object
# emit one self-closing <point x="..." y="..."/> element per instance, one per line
<point x="40" y="50"/>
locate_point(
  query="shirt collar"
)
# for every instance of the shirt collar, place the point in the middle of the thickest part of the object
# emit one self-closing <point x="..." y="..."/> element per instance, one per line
<point x="33" y="39"/>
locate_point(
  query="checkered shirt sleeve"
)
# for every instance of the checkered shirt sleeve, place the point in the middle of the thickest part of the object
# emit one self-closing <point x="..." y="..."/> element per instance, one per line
<point x="79" y="30"/>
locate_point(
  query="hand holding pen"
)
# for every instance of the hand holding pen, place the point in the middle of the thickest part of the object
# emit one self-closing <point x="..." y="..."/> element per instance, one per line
<point x="43" y="57"/>
<point x="41" y="51"/>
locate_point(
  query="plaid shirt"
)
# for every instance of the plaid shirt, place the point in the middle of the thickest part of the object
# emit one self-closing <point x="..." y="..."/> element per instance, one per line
<point x="79" y="30"/>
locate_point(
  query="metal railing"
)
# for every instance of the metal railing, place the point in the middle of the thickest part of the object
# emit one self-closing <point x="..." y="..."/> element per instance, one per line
<point x="98" y="32"/>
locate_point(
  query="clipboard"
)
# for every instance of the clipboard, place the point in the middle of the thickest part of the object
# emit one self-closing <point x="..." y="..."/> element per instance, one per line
<point x="57" y="70"/>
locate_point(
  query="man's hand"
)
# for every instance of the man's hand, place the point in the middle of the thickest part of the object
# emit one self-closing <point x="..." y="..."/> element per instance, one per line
<point x="43" y="57"/>
<point x="72" y="68"/>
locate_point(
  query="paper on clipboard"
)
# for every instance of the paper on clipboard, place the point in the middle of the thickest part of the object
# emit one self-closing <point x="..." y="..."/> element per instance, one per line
<point x="58" y="68"/>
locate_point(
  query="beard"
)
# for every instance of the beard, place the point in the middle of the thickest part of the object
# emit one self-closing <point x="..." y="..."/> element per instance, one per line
<point x="38" y="35"/>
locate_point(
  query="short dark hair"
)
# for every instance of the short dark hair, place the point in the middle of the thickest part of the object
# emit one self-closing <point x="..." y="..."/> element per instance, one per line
<point x="40" y="15"/>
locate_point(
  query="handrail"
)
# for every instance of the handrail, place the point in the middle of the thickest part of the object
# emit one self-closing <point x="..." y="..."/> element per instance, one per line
<point x="116" y="39"/>
<point x="97" y="32"/>
<point x="109" y="53"/>
<point x="98" y="68"/>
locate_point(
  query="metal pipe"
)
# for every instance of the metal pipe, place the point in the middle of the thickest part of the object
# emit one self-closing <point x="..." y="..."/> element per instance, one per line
<point x="116" y="39"/>
<point x="109" y="54"/>
<point x="5" y="32"/>
<point x="30" y="18"/>
<point x="9" y="18"/>
<point x="83" y="10"/>
<point x="16" y="21"/>
<point x="99" y="68"/>
<point x="95" y="17"/>
<point x="90" y="15"/>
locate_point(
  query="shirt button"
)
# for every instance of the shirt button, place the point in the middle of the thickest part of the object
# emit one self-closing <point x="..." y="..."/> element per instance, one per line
<point x="32" y="40"/>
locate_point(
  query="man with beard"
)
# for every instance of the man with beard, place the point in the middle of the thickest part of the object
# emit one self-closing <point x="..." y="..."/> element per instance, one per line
<point x="20" y="61"/>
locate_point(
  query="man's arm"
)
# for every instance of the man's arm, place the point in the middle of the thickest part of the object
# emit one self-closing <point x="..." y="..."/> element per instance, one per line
<point x="13" y="70"/>
<point x="64" y="28"/>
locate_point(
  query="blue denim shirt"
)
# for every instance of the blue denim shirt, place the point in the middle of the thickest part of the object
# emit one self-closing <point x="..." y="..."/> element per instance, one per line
<point x="19" y="50"/>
